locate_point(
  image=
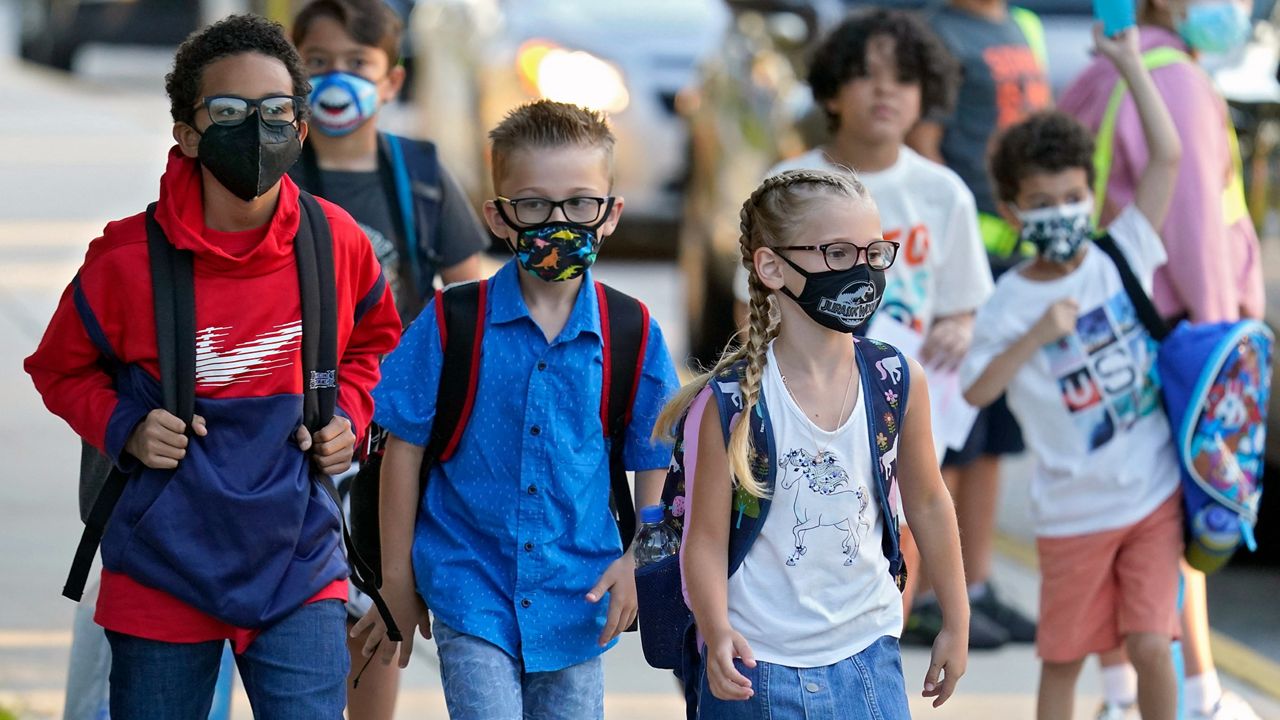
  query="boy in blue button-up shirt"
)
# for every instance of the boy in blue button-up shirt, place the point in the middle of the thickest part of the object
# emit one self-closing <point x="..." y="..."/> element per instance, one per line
<point x="514" y="547"/>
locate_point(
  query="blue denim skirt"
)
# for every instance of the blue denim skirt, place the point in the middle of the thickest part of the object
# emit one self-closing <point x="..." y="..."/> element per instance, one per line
<point x="867" y="686"/>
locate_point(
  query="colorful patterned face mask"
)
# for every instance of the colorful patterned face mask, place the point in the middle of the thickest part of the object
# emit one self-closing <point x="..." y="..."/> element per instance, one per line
<point x="557" y="251"/>
<point x="1058" y="232"/>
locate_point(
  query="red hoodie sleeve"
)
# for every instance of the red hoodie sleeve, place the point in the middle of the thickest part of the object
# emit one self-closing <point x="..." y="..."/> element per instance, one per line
<point x="72" y="370"/>
<point x="375" y="327"/>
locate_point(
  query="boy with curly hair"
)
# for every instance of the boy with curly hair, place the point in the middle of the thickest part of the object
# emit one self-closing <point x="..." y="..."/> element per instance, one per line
<point x="223" y="531"/>
<point x="1061" y="337"/>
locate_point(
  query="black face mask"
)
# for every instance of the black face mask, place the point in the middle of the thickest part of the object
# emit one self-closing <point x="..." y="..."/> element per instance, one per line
<point x="249" y="158"/>
<point x="840" y="300"/>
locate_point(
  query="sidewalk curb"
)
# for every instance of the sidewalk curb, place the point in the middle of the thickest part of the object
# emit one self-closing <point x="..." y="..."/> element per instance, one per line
<point x="1230" y="655"/>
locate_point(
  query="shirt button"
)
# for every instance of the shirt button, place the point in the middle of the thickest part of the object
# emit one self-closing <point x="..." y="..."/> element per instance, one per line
<point x="528" y="547"/>
<point x="542" y="365"/>
<point x="526" y="603"/>
<point x="535" y="431"/>
<point x="533" y="489"/>
<point x="812" y="687"/>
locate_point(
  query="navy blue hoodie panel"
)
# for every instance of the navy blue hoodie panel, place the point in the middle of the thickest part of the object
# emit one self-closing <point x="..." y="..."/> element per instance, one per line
<point x="239" y="531"/>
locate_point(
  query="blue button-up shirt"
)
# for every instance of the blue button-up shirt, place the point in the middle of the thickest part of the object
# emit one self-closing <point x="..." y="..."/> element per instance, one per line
<point x="515" y="529"/>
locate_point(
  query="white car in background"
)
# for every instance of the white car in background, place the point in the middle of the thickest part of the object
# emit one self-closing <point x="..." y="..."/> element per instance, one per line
<point x="478" y="59"/>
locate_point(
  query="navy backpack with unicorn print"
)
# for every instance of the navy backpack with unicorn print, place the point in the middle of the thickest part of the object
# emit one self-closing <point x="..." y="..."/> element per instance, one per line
<point x="667" y="632"/>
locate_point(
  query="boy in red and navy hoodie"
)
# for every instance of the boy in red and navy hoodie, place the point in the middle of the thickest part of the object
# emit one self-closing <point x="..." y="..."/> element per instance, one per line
<point x="221" y="534"/>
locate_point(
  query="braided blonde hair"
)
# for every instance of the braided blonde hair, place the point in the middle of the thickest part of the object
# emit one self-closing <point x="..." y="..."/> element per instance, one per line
<point x="766" y="220"/>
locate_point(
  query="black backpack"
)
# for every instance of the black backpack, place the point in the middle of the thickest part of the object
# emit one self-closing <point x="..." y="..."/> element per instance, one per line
<point x="173" y="293"/>
<point x="460" y="315"/>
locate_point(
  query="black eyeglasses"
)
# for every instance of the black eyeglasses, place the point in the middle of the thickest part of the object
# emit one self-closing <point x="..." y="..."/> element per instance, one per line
<point x="231" y="110"/>
<point x="843" y="255"/>
<point x="535" y="211"/>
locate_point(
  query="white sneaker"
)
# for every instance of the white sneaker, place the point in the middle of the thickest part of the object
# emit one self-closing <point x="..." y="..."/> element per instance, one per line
<point x="1230" y="707"/>
<point x="1114" y="711"/>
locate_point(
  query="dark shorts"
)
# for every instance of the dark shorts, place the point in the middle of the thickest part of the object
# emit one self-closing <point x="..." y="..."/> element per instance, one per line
<point x="995" y="432"/>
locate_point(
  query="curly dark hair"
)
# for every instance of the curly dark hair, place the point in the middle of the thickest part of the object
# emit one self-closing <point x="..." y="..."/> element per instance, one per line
<point x="921" y="57"/>
<point x="1047" y="142"/>
<point x="233" y="35"/>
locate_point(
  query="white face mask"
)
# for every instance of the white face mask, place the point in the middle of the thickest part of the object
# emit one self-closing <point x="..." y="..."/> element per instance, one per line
<point x="1059" y="231"/>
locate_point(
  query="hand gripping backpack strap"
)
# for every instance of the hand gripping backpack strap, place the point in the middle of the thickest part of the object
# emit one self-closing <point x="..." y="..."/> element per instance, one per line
<point x="624" y="331"/>
<point x="173" y="297"/>
<point x="313" y="247"/>
<point x="1142" y="304"/>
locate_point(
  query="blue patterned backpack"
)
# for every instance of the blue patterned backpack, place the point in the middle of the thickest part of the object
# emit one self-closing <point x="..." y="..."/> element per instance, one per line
<point x="667" y="632"/>
<point x="1216" y="382"/>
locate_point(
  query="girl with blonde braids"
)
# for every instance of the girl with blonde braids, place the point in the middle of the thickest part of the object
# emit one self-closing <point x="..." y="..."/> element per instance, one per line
<point x="810" y="617"/>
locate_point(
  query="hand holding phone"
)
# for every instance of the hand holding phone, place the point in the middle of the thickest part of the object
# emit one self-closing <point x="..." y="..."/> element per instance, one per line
<point x="1116" y="15"/>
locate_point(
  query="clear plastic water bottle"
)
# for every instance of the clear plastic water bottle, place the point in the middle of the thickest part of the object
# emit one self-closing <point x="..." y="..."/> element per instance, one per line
<point x="656" y="539"/>
<point x="1216" y="536"/>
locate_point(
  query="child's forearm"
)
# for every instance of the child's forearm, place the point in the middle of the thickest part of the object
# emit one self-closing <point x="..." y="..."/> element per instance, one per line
<point x="649" y="487"/>
<point x="1001" y="371"/>
<point x="1154" y="192"/>
<point x="706" y="566"/>
<point x="934" y="526"/>
<point x="706" y="551"/>
<point x="398" y="506"/>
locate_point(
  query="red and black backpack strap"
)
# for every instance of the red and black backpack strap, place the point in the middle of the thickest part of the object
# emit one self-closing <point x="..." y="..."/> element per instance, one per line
<point x="624" y="333"/>
<point x="460" y="315"/>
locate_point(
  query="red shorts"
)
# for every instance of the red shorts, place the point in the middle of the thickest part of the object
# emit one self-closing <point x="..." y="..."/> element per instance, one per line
<point x="1096" y="589"/>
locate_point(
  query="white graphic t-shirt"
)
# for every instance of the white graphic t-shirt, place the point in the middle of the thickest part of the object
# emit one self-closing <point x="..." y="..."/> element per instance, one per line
<point x="815" y="588"/>
<point x="924" y="207"/>
<point x="1089" y="404"/>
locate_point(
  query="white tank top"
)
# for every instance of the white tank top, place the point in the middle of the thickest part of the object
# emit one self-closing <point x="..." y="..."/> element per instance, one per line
<point x="815" y="588"/>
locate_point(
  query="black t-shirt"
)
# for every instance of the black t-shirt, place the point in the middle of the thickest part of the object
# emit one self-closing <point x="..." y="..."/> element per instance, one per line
<point x="366" y="196"/>
<point x="362" y="195"/>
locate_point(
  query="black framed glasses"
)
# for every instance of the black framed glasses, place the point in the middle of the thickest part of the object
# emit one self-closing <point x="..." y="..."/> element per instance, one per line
<point x="231" y="110"/>
<point x="582" y="209"/>
<point x="844" y="255"/>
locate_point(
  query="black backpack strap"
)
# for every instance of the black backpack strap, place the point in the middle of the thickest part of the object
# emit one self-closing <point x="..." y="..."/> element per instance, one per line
<point x="318" y="287"/>
<point x="1142" y="304"/>
<point x="460" y="315"/>
<point x="173" y="297"/>
<point x="313" y="247"/>
<point x="624" y="330"/>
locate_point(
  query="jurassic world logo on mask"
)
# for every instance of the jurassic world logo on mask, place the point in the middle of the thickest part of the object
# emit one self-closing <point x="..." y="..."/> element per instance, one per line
<point x="853" y="305"/>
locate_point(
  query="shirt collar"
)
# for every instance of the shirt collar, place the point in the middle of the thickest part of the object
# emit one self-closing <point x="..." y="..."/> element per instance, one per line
<point x="506" y="303"/>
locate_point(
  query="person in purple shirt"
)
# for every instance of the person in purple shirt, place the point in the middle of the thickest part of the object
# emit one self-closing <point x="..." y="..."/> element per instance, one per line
<point x="1213" y="273"/>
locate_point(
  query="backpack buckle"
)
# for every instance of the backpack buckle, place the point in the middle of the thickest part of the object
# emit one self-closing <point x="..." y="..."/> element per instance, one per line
<point x="323" y="379"/>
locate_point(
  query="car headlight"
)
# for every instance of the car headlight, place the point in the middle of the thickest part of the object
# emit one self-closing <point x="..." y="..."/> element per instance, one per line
<point x="571" y="76"/>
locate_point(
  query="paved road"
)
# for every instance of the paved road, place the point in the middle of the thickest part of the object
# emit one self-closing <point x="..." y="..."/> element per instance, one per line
<point x="74" y="154"/>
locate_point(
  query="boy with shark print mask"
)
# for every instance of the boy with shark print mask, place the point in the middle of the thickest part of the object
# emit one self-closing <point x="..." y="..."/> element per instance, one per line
<point x="351" y="50"/>
<point x="416" y="215"/>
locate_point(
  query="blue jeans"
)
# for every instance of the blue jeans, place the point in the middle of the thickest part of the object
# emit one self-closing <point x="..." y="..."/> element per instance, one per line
<point x="867" y="686"/>
<point x="482" y="682"/>
<point x="295" y="670"/>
